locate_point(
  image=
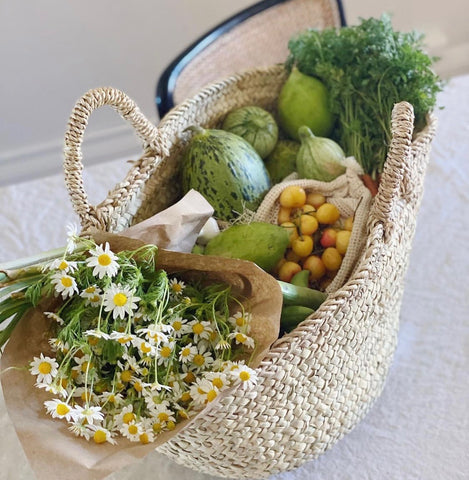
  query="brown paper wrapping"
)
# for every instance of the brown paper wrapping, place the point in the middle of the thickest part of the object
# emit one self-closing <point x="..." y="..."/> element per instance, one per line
<point x="53" y="451"/>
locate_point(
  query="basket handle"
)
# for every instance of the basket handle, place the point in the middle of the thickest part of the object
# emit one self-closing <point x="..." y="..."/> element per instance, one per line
<point x="398" y="170"/>
<point x="73" y="166"/>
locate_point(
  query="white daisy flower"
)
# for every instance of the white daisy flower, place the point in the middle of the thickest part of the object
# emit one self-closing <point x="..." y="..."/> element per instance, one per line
<point x="64" y="284"/>
<point x="103" y="260"/>
<point x="63" y="265"/>
<point x="126" y="415"/>
<point x="165" y="353"/>
<point x="163" y="413"/>
<point x="153" y="398"/>
<point x="203" y="358"/>
<point x="84" y="394"/>
<point x="222" y="344"/>
<point x="200" y="329"/>
<point x="242" y="339"/>
<point x="54" y="316"/>
<point x="122" y="337"/>
<point x="244" y="375"/>
<point x="218" y="379"/>
<point x="89" y="413"/>
<point x="179" y="326"/>
<point x="120" y="300"/>
<point x="155" y="333"/>
<point x="176" y="286"/>
<point x="241" y="322"/>
<point x="96" y="334"/>
<point x="72" y="237"/>
<point x="83" y="364"/>
<point x="59" y="345"/>
<point x="144" y="348"/>
<point x="131" y="430"/>
<point x="187" y="353"/>
<point x="45" y="368"/>
<point x="110" y="397"/>
<point x="54" y="388"/>
<point x="147" y="435"/>
<point x="92" y="295"/>
<point x="60" y="409"/>
<point x="203" y="391"/>
<point x="102" y="435"/>
<point x="81" y="429"/>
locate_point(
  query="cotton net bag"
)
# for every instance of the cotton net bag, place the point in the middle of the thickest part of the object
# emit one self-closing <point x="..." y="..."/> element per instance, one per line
<point x="348" y="193"/>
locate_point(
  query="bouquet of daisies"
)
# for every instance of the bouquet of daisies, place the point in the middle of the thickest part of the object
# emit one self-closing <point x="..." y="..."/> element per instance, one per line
<point x="133" y="350"/>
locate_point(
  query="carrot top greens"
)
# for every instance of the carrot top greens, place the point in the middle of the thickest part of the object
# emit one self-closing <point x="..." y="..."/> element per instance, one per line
<point x="367" y="69"/>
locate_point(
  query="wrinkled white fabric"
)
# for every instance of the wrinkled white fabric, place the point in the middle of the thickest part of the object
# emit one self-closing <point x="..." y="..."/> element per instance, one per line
<point x="418" y="428"/>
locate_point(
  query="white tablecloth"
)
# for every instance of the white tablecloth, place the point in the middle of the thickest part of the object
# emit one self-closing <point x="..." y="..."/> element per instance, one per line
<point x="418" y="428"/>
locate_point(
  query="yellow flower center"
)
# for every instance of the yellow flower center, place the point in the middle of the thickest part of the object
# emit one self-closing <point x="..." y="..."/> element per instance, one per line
<point x="66" y="282"/>
<point x="182" y="414"/>
<point x="240" y="338"/>
<point x="125" y="339"/>
<point x="126" y="375"/>
<point x="197" y="328"/>
<point x="165" y="352"/>
<point x="163" y="417"/>
<point x="157" y="427"/>
<point x="170" y="425"/>
<point x="62" y="409"/>
<point x="240" y="321"/>
<point x="133" y="429"/>
<point x="92" y="341"/>
<point x="185" y="352"/>
<point x="104" y="260"/>
<point x="44" y="368"/>
<point x="94" y="299"/>
<point x="99" y="436"/>
<point x="186" y="397"/>
<point x="244" y="376"/>
<point x="144" y="438"/>
<point x="63" y="265"/>
<point x="86" y="366"/>
<point x="177" y="325"/>
<point x="189" y="378"/>
<point x="128" y="417"/>
<point x="120" y="299"/>
<point x="138" y="386"/>
<point x="176" y="287"/>
<point x="199" y="360"/>
<point x="90" y="289"/>
<point x="211" y="395"/>
<point x="145" y="348"/>
<point x="112" y="398"/>
<point x="217" y="382"/>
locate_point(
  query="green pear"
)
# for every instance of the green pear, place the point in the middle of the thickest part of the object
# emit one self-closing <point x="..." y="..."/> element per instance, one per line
<point x="303" y="100"/>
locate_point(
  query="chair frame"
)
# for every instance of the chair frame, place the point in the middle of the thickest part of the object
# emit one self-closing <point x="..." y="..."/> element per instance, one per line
<point x="165" y="87"/>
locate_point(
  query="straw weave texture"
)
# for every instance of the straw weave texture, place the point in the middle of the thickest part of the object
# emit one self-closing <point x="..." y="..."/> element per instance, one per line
<point x="320" y="380"/>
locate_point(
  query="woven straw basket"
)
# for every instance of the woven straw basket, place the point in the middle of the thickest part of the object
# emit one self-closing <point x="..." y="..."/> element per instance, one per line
<point x="320" y="380"/>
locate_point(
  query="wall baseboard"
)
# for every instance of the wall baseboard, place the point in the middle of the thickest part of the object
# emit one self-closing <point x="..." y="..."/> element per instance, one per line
<point x="46" y="159"/>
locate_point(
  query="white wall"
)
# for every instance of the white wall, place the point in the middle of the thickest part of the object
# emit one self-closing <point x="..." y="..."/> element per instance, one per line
<point x="53" y="51"/>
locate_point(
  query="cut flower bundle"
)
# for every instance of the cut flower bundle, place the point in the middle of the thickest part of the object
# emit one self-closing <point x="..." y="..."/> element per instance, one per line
<point x="135" y="350"/>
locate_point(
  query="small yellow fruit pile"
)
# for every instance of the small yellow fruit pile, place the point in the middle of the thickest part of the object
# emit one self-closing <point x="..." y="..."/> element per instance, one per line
<point x="319" y="237"/>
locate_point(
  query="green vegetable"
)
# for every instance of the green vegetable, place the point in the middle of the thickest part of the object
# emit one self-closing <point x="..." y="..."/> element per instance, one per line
<point x="297" y="295"/>
<point x="368" y="68"/>
<point x="303" y="100"/>
<point x="261" y="243"/>
<point x="292" y="315"/>
<point x="226" y="170"/>
<point x="319" y="158"/>
<point x="301" y="279"/>
<point x="256" y="125"/>
<point x="282" y="161"/>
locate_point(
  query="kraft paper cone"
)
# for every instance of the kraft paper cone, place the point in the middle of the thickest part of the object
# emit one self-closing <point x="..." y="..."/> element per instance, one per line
<point x="52" y="450"/>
